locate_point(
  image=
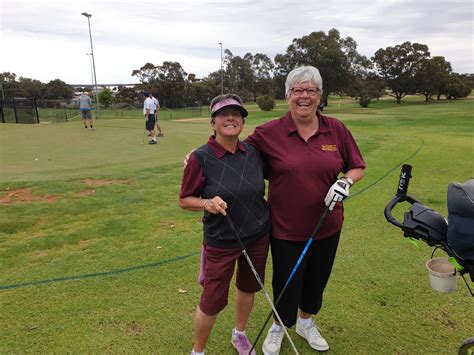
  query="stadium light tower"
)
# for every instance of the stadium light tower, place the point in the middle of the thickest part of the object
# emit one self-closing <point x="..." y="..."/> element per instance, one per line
<point x="222" y="73"/>
<point x="93" y="65"/>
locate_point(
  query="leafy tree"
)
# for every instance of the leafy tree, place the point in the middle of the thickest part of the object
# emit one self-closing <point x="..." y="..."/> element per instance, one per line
<point x="7" y="77"/>
<point x="10" y="86"/>
<point x="262" y="67"/>
<point x="239" y="76"/>
<point x="468" y="79"/>
<point x="32" y="87"/>
<point x="147" y="73"/>
<point x="366" y="87"/>
<point x="210" y="87"/>
<point x="58" y="90"/>
<point x="247" y="76"/>
<point x="457" y="87"/>
<point x="432" y="77"/>
<point x="336" y="58"/>
<point x="171" y="84"/>
<point x="167" y="81"/>
<point x="398" y="66"/>
<point x="106" y="97"/>
<point x="127" y="95"/>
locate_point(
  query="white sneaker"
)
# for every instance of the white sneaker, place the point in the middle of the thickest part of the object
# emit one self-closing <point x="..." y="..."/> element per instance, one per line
<point x="272" y="343"/>
<point x="313" y="336"/>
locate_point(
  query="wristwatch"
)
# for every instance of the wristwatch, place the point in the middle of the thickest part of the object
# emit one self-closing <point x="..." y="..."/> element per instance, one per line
<point x="348" y="179"/>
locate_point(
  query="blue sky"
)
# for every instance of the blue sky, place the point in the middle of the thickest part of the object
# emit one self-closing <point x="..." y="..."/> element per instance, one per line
<point x="46" y="40"/>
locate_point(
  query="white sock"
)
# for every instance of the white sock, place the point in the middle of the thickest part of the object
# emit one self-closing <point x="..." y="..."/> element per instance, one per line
<point x="199" y="353"/>
<point x="239" y="332"/>
<point x="276" y="328"/>
<point x="306" y="322"/>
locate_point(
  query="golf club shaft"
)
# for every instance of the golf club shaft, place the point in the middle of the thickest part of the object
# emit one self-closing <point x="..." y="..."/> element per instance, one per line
<point x="293" y="272"/>
<point x="252" y="267"/>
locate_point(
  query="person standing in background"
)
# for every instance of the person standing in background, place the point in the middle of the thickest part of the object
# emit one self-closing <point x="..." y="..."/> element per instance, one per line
<point x="148" y="111"/>
<point x="85" y="105"/>
<point x="157" y="108"/>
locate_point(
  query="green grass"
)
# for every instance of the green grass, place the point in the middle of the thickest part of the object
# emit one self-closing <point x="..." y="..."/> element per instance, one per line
<point x="100" y="272"/>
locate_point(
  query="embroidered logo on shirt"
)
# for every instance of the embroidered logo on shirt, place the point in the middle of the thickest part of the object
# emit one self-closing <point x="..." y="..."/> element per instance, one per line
<point x="328" y="147"/>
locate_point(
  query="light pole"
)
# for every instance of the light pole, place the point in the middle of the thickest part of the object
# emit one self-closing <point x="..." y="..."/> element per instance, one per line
<point x="222" y="73"/>
<point x="93" y="66"/>
<point x="90" y="62"/>
<point x="1" y="87"/>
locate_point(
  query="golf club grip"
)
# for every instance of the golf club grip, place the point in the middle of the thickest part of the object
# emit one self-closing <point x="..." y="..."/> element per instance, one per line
<point x="404" y="180"/>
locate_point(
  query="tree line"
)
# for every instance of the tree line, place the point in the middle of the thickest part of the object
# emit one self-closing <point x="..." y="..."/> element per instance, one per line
<point x="401" y="70"/>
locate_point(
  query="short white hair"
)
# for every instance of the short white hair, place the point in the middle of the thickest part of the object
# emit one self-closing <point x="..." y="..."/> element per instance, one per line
<point x="305" y="73"/>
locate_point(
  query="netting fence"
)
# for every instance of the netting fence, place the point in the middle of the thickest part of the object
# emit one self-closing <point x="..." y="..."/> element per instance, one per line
<point x="19" y="110"/>
<point x="57" y="110"/>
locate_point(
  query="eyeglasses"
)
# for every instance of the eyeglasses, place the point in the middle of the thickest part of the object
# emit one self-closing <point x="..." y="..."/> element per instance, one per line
<point x="309" y="91"/>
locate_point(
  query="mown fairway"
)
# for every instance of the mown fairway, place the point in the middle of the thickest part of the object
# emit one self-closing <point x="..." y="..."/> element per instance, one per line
<point x="97" y="257"/>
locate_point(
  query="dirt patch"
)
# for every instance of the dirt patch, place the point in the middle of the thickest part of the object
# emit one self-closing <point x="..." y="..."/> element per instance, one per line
<point x="87" y="192"/>
<point x="197" y="119"/>
<point x="40" y="254"/>
<point x="134" y="329"/>
<point x="443" y="317"/>
<point x="103" y="182"/>
<point x="24" y="195"/>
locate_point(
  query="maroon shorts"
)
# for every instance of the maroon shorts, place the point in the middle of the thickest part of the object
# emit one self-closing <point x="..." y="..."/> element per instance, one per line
<point x="219" y="268"/>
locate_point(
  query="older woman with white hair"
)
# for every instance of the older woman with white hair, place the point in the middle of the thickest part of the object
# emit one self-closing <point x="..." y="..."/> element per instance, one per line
<point x="312" y="159"/>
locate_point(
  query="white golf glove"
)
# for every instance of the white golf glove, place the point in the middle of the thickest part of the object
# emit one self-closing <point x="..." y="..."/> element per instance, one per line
<point x="337" y="192"/>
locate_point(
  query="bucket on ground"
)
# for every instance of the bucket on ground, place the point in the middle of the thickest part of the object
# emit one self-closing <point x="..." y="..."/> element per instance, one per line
<point x="442" y="274"/>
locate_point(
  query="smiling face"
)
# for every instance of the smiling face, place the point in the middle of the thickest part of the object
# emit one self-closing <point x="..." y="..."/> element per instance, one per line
<point x="228" y="123"/>
<point x="304" y="107"/>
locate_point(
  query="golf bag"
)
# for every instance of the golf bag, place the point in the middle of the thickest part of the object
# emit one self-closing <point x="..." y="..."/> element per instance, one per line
<point x="460" y="232"/>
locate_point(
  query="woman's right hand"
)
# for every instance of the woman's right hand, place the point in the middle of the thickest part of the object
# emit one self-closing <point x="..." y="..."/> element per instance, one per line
<point x="216" y="205"/>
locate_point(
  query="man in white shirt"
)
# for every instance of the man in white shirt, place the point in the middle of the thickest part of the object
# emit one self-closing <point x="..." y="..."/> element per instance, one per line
<point x="149" y="112"/>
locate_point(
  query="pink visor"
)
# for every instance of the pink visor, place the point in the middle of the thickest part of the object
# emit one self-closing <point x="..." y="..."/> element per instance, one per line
<point x="230" y="102"/>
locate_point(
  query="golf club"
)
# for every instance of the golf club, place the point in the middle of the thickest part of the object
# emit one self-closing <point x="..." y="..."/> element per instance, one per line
<point x="252" y="267"/>
<point x="295" y="268"/>
<point x="143" y="138"/>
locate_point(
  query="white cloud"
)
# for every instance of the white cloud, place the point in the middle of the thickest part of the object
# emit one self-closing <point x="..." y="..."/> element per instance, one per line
<point x="46" y="40"/>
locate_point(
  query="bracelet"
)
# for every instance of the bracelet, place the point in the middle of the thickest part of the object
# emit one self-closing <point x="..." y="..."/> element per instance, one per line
<point x="349" y="180"/>
<point x="204" y="204"/>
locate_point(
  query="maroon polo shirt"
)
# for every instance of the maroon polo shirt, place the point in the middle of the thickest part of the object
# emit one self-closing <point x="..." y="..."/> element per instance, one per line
<point x="193" y="176"/>
<point x="301" y="173"/>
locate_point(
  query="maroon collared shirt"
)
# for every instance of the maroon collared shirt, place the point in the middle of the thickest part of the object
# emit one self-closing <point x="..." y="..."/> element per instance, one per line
<point x="193" y="176"/>
<point x="301" y="173"/>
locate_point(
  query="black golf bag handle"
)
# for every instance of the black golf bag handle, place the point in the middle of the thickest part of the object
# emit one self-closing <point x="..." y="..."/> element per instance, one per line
<point x="401" y="195"/>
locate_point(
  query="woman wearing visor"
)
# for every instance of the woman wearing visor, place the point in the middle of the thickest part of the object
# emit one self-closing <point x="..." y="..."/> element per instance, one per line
<point x="224" y="178"/>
